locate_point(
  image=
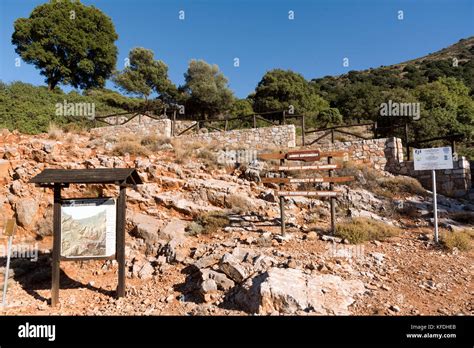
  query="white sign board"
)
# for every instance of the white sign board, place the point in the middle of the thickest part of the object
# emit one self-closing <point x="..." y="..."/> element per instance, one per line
<point x="88" y="227"/>
<point x="433" y="159"/>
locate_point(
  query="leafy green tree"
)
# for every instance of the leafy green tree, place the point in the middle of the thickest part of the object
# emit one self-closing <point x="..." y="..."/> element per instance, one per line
<point x="360" y="100"/>
<point x="206" y="90"/>
<point x="69" y="43"/>
<point x="279" y="89"/>
<point x="144" y="75"/>
<point x="241" y="107"/>
<point x="329" y="117"/>
<point x="446" y="108"/>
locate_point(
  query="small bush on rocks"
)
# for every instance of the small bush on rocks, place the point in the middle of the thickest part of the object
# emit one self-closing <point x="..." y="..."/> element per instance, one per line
<point x="359" y="230"/>
<point x="462" y="240"/>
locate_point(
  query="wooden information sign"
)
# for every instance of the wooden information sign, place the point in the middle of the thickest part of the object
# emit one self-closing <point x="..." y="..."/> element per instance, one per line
<point x="57" y="179"/>
<point x="307" y="156"/>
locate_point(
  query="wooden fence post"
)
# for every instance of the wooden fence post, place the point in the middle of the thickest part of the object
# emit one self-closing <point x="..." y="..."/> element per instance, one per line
<point x="173" y="124"/>
<point x="407" y="144"/>
<point x="303" y="130"/>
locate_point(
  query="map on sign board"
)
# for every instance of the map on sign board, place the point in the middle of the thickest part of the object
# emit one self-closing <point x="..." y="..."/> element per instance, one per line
<point x="432" y="159"/>
<point x="88" y="227"/>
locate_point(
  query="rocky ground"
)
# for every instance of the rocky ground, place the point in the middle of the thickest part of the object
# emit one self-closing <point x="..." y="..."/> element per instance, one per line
<point x="242" y="267"/>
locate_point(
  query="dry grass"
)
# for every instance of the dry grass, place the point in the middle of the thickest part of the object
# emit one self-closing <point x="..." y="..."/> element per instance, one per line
<point x="75" y="128"/>
<point x="359" y="230"/>
<point x="462" y="240"/>
<point x="374" y="181"/>
<point x="131" y="145"/>
<point x="55" y="132"/>
<point x="401" y="185"/>
<point x="239" y="204"/>
<point x="208" y="223"/>
<point x="155" y="142"/>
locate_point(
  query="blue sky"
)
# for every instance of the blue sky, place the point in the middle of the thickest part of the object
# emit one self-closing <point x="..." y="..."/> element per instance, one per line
<point x="260" y="34"/>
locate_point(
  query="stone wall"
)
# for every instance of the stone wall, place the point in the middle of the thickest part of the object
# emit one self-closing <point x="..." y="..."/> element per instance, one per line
<point x="387" y="154"/>
<point x="143" y="126"/>
<point x="281" y="136"/>
<point x="380" y="154"/>
<point x="376" y="153"/>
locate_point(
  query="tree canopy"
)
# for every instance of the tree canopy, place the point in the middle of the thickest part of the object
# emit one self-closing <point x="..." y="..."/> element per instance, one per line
<point x="144" y="75"/>
<point x="70" y="43"/>
<point x="279" y="89"/>
<point x="206" y="90"/>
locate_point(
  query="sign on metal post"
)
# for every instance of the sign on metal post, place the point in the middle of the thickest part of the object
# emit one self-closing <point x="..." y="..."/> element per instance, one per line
<point x="10" y="228"/>
<point x="433" y="159"/>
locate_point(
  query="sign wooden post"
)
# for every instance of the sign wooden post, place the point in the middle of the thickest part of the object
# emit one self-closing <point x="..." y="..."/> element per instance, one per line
<point x="332" y="201"/>
<point x="55" y="265"/>
<point x="61" y="178"/>
<point x="121" y="218"/>
<point x="306" y="156"/>
<point x="282" y="202"/>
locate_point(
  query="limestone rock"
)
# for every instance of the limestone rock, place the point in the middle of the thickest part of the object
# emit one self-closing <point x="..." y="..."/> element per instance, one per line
<point x="289" y="291"/>
<point x="231" y="266"/>
<point x="26" y="210"/>
<point x="223" y="283"/>
<point x="146" y="227"/>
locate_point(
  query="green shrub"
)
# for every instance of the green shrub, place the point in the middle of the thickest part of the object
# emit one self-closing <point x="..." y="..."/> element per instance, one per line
<point x="31" y="109"/>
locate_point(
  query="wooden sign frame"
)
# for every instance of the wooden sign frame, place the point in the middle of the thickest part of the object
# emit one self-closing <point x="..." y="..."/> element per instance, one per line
<point x="307" y="156"/>
<point x="57" y="179"/>
<point x="307" y="180"/>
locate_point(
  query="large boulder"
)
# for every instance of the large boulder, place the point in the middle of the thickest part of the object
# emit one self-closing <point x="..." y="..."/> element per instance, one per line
<point x="26" y="210"/>
<point x="146" y="227"/>
<point x="290" y="291"/>
<point x="233" y="268"/>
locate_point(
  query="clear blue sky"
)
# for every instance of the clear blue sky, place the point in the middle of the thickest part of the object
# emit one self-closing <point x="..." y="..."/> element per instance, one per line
<point x="260" y="34"/>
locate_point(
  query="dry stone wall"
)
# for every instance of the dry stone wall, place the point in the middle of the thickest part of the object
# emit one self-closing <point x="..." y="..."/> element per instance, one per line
<point x="387" y="154"/>
<point x="381" y="154"/>
<point x="281" y="136"/>
<point x="143" y="126"/>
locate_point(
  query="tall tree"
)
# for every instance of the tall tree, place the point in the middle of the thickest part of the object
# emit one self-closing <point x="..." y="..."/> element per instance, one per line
<point x="446" y="108"/>
<point x="70" y="43"/>
<point x="207" y="90"/>
<point x="279" y="89"/>
<point x="144" y="75"/>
